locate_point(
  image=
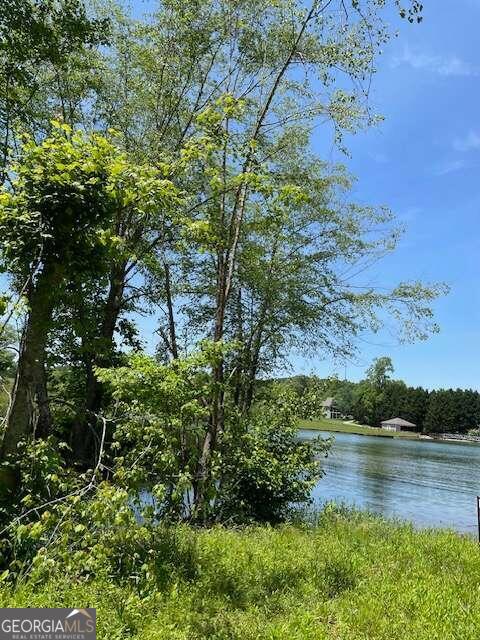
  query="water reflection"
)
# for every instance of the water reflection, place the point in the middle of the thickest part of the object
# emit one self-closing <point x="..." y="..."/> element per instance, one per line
<point x="429" y="483"/>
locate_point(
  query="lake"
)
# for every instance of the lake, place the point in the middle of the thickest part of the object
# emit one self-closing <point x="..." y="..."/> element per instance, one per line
<point x="432" y="484"/>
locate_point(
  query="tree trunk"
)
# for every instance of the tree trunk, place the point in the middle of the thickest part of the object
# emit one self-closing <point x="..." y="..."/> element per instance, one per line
<point x="226" y="265"/>
<point x="240" y="359"/>
<point x="171" y="315"/>
<point x="44" y="419"/>
<point x="29" y="396"/>
<point x="84" y="437"/>
<point x="216" y="413"/>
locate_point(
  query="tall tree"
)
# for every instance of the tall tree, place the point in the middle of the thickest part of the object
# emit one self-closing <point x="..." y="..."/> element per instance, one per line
<point x="259" y="51"/>
<point x="57" y="227"/>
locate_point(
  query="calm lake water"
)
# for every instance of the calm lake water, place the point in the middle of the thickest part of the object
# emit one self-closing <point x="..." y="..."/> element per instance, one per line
<point x="429" y="483"/>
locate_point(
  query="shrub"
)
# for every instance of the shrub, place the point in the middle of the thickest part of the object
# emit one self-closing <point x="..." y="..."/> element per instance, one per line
<point x="259" y="468"/>
<point x="271" y="470"/>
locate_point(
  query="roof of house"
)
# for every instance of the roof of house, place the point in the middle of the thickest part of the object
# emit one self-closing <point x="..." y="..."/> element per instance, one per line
<point x="400" y="421"/>
<point x="328" y="402"/>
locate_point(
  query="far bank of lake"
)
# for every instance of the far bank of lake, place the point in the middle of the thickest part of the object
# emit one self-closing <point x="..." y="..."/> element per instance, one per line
<point x="352" y="427"/>
<point x="341" y="426"/>
<point x="432" y="484"/>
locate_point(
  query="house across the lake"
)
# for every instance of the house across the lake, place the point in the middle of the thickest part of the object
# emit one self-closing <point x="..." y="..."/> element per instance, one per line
<point x="398" y="424"/>
<point x="330" y="410"/>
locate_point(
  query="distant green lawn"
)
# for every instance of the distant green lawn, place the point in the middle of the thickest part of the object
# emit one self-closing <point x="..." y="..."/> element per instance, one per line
<point x="360" y="429"/>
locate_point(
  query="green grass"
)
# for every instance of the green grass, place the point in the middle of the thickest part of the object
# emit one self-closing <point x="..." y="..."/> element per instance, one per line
<point x="350" y="577"/>
<point x="339" y="426"/>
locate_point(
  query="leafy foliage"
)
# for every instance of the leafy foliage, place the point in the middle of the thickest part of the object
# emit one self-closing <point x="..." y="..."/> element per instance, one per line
<point x="261" y="472"/>
<point x="38" y="478"/>
<point x="260" y="467"/>
<point x="39" y="38"/>
<point x="67" y="193"/>
<point x="272" y="472"/>
<point x="8" y="340"/>
<point x="208" y="210"/>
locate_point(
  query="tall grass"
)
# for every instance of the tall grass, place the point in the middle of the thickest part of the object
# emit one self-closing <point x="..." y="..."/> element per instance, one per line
<point x="348" y="576"/>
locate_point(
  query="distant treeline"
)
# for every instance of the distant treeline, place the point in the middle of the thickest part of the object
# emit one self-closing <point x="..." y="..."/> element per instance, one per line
<point x="380" y="398"/>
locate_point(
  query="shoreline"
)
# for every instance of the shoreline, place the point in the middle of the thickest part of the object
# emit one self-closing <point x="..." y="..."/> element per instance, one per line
<point x="338" y="426"/>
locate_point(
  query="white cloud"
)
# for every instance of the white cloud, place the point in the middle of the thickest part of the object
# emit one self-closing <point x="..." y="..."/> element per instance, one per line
<point x="469" y="142"/>
<point x="441" y="65"/>
<point x="448" y="167"/>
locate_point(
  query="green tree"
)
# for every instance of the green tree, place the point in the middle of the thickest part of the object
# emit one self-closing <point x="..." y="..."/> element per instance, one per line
<point x="214" y="88"/>
<point x="378" y="374"/>
<point x="57" y="226"/>
<point x="345" y="394"/>
<point x="36" y="37"/>
<point x="269" y="470"/>
<point x="229" y="71"/>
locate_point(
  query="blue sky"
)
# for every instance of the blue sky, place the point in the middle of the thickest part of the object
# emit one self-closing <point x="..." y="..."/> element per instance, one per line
<point x="423" y="162"/>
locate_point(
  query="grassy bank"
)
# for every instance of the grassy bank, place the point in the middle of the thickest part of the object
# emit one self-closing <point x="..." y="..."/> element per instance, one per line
<point x="342" y="427"/>
<point x="350" y="577"/>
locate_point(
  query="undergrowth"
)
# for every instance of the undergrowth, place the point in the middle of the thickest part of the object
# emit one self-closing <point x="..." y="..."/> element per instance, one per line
<point x="345" y="576"/>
